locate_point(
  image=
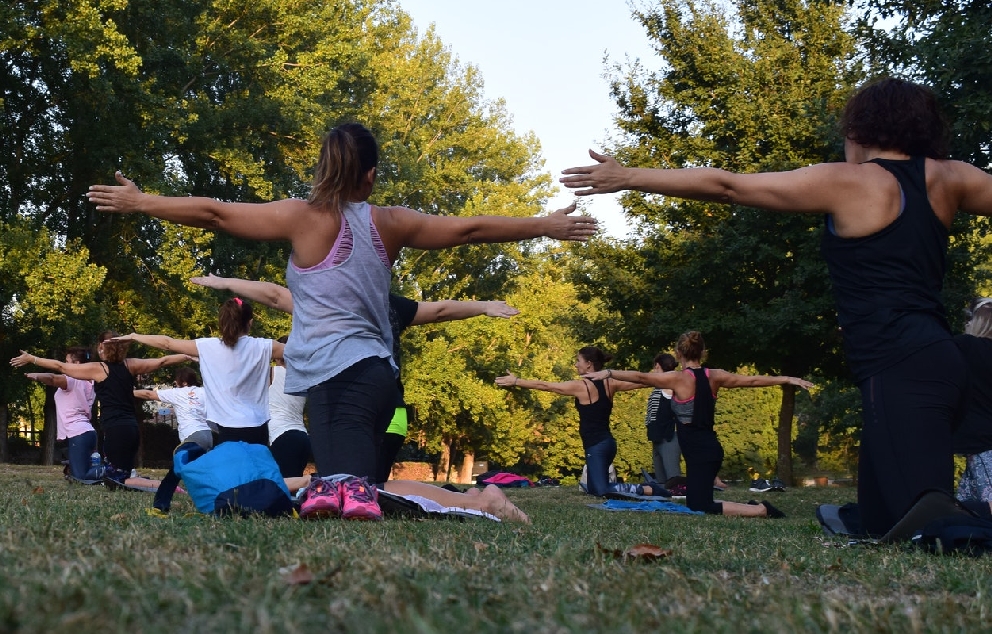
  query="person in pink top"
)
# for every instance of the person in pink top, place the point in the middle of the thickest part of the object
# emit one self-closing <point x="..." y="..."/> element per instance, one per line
<point x="73" y="410"/>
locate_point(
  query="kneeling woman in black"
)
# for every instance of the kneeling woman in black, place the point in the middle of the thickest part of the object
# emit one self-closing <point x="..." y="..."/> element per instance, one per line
<point x="594" y="402"/>
<point x="693" y="402"/>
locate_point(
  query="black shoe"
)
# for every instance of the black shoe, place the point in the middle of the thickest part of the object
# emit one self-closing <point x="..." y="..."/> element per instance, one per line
<point x="773" y="512"/>
<point x="760" y="486"/>
<point x="451" y="487"/>
<point x="776" y="485"/>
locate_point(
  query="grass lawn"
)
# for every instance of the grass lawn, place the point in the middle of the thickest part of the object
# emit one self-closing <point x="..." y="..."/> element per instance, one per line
<point x="84" y="559"/>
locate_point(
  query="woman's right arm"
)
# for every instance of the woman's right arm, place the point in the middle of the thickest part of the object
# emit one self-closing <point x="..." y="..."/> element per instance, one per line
<point x="265" y="293"/>
<point x="666" y="380"/>
<point x="53" y="380"/>
<point x="566" y="388"/>
<point x="262" y="221"/>
<point x="146" y="395"/>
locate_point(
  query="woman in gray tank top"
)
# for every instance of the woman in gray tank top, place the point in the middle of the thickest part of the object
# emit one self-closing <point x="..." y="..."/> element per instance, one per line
<point x="340" y="348"/>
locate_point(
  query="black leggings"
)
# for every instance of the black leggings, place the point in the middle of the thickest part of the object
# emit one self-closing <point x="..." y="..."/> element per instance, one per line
<point x="349" y="414"/>
<point x="120" y="445"/>
<point x="908" y="412"/>
<point x="703" y="458"/>
<point x="389" y="448"/>
<point x="252" y="435"/>
<point x="292" y="452"/>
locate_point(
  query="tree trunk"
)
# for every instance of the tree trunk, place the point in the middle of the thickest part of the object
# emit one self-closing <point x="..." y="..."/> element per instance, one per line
<point x="444" y="462"/>
<point x="785" y="416"/>
<point x="468" y="462"/>
<point x="4" y="425"/>
<point x="49" y="433"/>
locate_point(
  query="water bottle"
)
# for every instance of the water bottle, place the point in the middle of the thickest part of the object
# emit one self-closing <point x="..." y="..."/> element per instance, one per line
<point x="95" y="460"/>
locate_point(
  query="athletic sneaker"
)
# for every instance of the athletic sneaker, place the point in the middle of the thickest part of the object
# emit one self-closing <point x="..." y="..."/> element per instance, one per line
<point x="760" y="486"/>
<point x="776" y="485"/>
<point x="321" y="499"/>
<point x="156" y="512"/>
<point x="112" y="478"/>
<point x="359" y="500"/>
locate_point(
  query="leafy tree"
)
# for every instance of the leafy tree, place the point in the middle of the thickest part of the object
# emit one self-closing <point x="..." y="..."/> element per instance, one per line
<point x="755" y="88"/>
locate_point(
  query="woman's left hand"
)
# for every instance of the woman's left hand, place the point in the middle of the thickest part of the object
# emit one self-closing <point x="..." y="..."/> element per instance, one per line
<point x="803" y="383"/>
<point x="598" y="376"/>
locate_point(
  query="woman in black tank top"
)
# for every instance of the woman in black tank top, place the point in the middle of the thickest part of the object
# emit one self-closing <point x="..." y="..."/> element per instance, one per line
<point x="693" y="402"/>
<point x="594" y="402"/>
<point x="113" y="382"/>
<point x="888" y="209"/>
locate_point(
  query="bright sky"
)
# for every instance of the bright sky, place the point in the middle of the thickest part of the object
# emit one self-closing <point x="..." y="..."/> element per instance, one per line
<point x="545" y="59"/>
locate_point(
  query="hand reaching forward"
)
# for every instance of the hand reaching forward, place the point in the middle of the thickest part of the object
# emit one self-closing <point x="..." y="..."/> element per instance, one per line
<point x="124" y="198"/>
<point x="565" y="227"/>
<point x="499" y="308"/>
<point x="210" y="281"/>
<point x="606" y="177"/>
<point x="506" y="381"/>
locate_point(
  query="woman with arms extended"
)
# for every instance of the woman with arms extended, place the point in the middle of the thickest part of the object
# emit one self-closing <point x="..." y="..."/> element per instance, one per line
<point x="887" y="211"/>
<point x="339" y="273"/>
<point x="235" y="370"/>
<point x="113" y="382"/>
<point x="694" y="392"/>
<point x="594" y="402"/>
<point x="403" y="313"/>
<point x="73" y="409"/>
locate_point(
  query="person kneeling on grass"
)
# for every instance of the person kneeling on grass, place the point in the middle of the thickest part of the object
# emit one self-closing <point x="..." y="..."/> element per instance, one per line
<point x="187" y="401"/>
<point x="693" y="401"/>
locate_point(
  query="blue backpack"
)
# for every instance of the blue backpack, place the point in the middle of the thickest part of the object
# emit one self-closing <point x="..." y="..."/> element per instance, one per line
<point x="233" y="478"/>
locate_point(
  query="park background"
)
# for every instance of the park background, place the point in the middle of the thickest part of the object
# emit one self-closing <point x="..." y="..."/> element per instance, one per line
<point x="230" y="99"/>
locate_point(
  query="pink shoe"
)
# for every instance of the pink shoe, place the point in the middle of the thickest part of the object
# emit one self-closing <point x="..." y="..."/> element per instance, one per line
<point x="359" y="500"/>
<point x="322" y="499"/>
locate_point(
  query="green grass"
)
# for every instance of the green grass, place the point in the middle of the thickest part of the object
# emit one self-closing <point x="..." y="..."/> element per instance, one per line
<point x="83" y="559"/>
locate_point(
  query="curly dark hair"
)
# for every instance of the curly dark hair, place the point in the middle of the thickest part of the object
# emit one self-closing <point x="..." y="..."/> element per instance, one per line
<point x="894" y="114"/>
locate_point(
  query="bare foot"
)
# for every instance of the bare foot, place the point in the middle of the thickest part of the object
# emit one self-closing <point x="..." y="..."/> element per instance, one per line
<point x="495" y="502"/>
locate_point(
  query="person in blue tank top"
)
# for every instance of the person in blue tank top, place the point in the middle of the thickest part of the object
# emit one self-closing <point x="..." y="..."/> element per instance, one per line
<point x="340" y="350"/>
<point x="888" y="208"/>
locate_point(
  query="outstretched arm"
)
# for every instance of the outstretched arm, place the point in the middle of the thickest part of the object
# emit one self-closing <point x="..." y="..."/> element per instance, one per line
<point x="144" y="366"/>
<point x="665" y="380"/>
<point x="265" y="293"/>
<point x="402" y="227"/>
<point x="823" y="188"/>
<point x="453" y="310"/>
<point x="262" y="221"/>
<point x="85" y="371"/>
<point x="53" y="380"/>
<point x="721" y="378"/>
<point x="162" y="342"/>
<point x="146" y="395"/>
<point x="567" y="388"/>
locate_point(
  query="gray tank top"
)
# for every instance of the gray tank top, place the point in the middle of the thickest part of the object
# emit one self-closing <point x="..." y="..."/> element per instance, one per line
<point x="340" y="306"/>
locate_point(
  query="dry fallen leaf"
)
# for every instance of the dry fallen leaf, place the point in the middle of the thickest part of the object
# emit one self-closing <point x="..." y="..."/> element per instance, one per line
<point x="38" y="490"/>
<point x="643" y="552"/>
<point x="296" y="575"/>
<point x="479" y="547"/>
<point x="120" y="517"/>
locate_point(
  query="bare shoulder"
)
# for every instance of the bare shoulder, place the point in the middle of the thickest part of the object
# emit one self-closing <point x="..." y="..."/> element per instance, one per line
<point x="954" y="185"/>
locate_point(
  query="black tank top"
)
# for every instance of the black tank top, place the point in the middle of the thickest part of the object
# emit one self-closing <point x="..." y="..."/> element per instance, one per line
<point x="697" y="439"/>
<point x="594" y="418"/>
<point x="887" y="285"/>
<point x="116" y="396"/>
